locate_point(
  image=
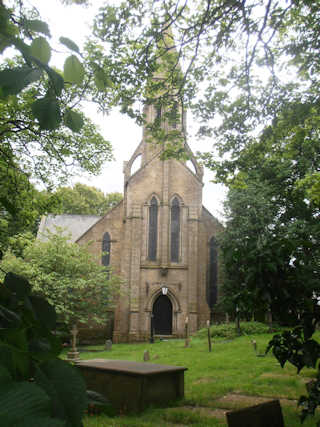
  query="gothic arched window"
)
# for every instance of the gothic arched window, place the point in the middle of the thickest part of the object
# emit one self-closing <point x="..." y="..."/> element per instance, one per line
<point x="106" y="248"/>
<point x="213" y="272"/>
<point x="153" y="229"/>
<point x="175" y="230"/>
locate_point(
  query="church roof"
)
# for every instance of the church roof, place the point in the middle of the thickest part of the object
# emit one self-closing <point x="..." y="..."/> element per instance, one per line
<point x="74" y="225"/>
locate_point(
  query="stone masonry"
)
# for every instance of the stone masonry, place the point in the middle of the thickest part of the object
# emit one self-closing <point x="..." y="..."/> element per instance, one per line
<point x="189" y="278"/>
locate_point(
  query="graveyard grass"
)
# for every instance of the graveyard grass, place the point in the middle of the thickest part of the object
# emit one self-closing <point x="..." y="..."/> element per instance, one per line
<point x="230" y="377"/>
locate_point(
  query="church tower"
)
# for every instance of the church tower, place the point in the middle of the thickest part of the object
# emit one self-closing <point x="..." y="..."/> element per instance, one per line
<point x="164" y="259"/>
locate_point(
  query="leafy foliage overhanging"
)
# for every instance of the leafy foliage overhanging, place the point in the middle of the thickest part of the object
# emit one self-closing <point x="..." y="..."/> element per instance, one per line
<point x="44" y="136"/>
<point x="37" y="388"/>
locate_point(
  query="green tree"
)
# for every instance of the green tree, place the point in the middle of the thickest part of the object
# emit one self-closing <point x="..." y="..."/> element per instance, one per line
<point x="83" y="199"/>
<point x="48" y="156"/>
<point x="20" y="204"/>
<point x="67" y="275"/>
<point x="270" y="245"/>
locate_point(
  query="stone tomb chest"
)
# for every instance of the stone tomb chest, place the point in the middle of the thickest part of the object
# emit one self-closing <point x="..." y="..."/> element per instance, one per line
<point x="132" y="386"/>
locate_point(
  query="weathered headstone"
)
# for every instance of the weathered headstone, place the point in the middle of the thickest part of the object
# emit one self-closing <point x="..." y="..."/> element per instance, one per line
<point x="265" y="414"/>
<point x="156" y="357"/>
<point x="108" y="345"/>
<point x="186" y="327"/>
<point x="146" y="356"/>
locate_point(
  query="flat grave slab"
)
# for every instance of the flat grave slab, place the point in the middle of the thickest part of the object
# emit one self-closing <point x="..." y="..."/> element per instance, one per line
<point x="133" y="386"/>
<point x="264" y="414"/>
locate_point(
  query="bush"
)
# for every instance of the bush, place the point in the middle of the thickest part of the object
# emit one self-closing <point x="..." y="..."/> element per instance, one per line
<point x="37" y="387"/>
<point x="228" y="330"/>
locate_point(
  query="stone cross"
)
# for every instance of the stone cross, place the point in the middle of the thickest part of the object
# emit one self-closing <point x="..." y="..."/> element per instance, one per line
<point x="73" y="355"/>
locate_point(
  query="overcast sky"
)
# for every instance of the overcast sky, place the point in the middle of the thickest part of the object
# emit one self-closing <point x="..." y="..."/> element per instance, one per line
<point x="74" y="22"/>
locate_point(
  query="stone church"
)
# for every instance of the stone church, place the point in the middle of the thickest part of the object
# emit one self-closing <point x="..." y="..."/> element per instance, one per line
<point x="160" y="239"/>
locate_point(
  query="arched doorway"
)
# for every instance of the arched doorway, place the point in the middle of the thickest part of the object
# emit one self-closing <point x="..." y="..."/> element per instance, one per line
<point x="162" y="315"/>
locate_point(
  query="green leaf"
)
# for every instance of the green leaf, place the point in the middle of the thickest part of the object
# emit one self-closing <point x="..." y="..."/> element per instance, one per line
<point x="41" y="49"/>
<point x="73" y="70"/>
<point x="5" y="377"/>
<point x="15" y="360"/>
<point x="70" y="44"/>
<point x="22" y="399"/>
<point x="56" y="80"/>
<point x="73" y="120"/>
<point x="101" y="80"/>
<point x="17" y="284"/>
<point x="7" y="29"/>
<point x="47" y="111"/>
<point x="12" y="81"/>
<point x="37" y="26"/>
<point x="66" y="388"/>
<point x="8" y="317"/>
<point x="15" y="337"/>
<point x="44" y="312"/>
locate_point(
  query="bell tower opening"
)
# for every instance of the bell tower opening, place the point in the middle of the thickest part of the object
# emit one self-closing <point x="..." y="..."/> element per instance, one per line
<point x="162" y="315"/>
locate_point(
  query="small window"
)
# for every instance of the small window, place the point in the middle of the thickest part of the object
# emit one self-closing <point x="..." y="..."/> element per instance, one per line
<point x="175" y="230"/>
<point x="153" y="229"/>
<point x="106" y="248"/>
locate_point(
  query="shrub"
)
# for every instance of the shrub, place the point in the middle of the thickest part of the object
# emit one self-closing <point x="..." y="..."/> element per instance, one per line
<point x="37" y="388"/>
<point x="228" y="330"/>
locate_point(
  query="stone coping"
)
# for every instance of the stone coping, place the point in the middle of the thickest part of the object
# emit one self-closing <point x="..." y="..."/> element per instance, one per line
<point x="129" y="367"/>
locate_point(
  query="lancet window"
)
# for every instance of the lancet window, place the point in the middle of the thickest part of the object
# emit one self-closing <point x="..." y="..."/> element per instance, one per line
<point x="153" y="229"/>
<point x="106" y="249"/>
<point x="175" y="230"/>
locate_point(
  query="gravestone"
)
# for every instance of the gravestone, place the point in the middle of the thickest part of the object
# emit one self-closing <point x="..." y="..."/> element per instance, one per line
<point x="146" y="356"/>
<point x="265" y="414"/>
<point x="108" y="345"/>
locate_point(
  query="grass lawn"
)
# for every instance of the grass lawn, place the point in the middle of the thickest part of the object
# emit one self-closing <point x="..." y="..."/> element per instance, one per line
<point x="229" y="377"/>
